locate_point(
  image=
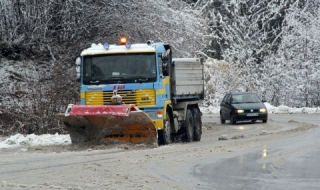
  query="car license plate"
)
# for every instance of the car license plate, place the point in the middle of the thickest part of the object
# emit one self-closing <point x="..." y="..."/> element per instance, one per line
<point x="252" y="114"/>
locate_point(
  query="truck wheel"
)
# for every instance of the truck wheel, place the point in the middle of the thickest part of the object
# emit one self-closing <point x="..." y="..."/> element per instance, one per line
<point x="197" y="124"/>
<point x="166" y="132"/>
<point x="188" y="124"/>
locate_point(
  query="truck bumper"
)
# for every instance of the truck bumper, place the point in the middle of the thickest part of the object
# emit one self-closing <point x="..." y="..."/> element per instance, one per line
<point x="158" y="123"/>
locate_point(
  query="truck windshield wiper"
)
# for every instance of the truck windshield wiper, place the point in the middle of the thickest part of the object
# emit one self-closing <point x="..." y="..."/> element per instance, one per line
<point x="114" y="78"/>
<point x="143" y="79"/>
<point x="95" y="82"/>
<point x="139" y="78"/>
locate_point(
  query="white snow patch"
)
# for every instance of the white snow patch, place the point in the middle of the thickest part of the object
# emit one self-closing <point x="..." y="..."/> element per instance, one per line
<point x="35" y="140"/>
<point x="49" y="140"/>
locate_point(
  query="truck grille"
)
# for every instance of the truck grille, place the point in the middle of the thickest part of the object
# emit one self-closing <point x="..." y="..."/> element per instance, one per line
<point x="144" y="97"/>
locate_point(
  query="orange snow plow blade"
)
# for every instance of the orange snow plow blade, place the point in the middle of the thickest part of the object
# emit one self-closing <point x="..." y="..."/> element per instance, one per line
<point x="109" y="124"/>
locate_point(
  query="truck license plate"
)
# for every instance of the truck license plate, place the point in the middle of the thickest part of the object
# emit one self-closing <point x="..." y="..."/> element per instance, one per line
<point x="252" y="114"/>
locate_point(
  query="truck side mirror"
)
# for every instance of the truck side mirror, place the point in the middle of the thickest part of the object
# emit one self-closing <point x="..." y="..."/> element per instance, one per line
<point x="78" y="68"/>
<point x="165" y="64"/>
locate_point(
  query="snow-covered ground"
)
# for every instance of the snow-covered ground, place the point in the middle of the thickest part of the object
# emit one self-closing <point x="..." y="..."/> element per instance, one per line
<point x="272" y="110"/>
<point x="20" y="140"/>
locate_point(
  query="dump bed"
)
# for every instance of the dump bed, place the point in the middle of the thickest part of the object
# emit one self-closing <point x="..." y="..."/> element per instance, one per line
<point x="187" y="78"/>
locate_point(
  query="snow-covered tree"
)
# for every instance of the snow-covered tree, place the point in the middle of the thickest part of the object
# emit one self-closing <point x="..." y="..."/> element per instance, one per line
<point x="50" y="34"/>
<point x="267" y="46"/>
<point x="298" y="55"/>
<point x="272" y="43"/>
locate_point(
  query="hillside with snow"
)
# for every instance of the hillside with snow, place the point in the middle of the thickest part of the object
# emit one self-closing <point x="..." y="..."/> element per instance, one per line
<point x="268" y="47"/>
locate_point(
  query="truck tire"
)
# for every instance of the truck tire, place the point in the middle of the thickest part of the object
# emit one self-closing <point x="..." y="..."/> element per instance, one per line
<point x="189" y="126"/>
<point x="166" y="132"/>
<point x="197" y="124"/>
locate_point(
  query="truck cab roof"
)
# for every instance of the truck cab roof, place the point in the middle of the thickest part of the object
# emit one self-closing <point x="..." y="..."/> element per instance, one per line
<point x="97" y="49"/>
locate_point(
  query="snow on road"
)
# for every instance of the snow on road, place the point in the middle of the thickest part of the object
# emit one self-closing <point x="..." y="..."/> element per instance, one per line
<point x="48" y="162"/>
<point x="20" y="140"/>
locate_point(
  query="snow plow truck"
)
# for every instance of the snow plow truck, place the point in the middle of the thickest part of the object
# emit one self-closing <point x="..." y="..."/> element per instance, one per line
<point x="136" y="93"/>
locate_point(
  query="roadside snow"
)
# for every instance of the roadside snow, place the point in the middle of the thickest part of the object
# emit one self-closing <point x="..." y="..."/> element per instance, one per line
<point x="288" y="110"/>
<point x="271" y="110"/>
<point x="20" y="140"/>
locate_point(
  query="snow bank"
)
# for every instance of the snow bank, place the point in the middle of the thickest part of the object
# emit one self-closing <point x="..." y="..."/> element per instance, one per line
<point x="49" y="140"/>
<point x="35" y="140"/>
<point x="210" y="109"/>
<point x="288" y="110"/>
<point x="271" y="109"/>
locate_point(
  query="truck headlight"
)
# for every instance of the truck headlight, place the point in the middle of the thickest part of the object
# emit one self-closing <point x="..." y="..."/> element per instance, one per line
<point x="151" y="113"/>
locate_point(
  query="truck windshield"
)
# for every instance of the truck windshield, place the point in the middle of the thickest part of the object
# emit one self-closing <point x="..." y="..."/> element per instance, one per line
<point x="119" y="68"/>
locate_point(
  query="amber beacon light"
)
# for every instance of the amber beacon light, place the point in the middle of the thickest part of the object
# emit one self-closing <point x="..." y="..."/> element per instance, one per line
<point x="123" y="40"/>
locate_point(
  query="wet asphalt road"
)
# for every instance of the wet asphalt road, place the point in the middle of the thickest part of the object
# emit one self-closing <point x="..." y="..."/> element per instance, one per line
<point x="291" y="162"/>
<point x="285" y="158"/>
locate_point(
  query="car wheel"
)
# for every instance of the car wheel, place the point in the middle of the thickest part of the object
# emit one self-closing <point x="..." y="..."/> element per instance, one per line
<point x="233" y="119"/>
<point x="264" y="121"/>
<point x="253" y="121"/>
<point x="223" y="121"/>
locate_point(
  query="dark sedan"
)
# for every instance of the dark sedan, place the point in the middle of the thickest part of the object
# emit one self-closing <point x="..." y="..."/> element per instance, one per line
<point x="242" y="106"/>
